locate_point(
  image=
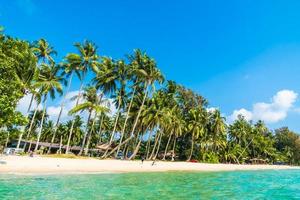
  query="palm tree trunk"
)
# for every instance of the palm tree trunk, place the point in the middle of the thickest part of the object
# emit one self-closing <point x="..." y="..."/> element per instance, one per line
<point x="60" y="112"/>
<point x="155" y="144"/>
<point x="86" y="132"/>
<point x="140" y="110"/>
<point x="7" y="139"/>
<point x="100" y="128"/>
<point x="158" y="147"/>
<point x="148" y="144"/>
<point x="41" y="126"/>
<point x="92" y="128"/>
<point x="114" y="130"/>
<point x="86" y="150"/>
<point x="245" y="148"/>
<point x="135" y="122"/>
<point x="136" y="150"/>
<point x="174" y="145"/>
<point x="60" y="145"/>
<point x="192" y="148"/>
<point x="31" y="125"/>
<point x="126" y="149"/>
<point x="23" y="127"/>
<point x="73" y="122"/>
<point x="30" y="144"/>
<point x="126" y="119"/>
<point x="124" y="142"/>
<point x="166" y="150"/>
<point x="31" y="101"/>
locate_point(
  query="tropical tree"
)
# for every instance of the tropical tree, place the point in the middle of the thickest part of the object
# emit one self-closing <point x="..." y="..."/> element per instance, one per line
<point x="90" y="104"/>
<point x="43" y="51"/>
<point x="18" y="65"/>
<point x="148" y="74"/>
<point x="86" y="59"/>
<point x="196" y="126"/>
<point x="70" y="66"/>
<point x="48" y="83"/>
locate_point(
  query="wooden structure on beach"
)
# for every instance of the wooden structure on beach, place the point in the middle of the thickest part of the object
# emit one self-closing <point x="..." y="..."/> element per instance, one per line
<point x="255" y="161"/>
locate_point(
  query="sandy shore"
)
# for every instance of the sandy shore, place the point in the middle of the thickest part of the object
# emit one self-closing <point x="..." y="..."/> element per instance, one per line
<point x="46" y="165"/>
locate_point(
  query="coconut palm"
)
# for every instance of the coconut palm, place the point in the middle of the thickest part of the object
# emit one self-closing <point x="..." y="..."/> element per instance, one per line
<point x="90" y="104"/>
<point x="48" y="83"/>
<point x="86" y="59"/>
<point x="26" y="74"/>
<point x="121" y="77"/>
<point x="148" y="74"/>
<point x="196" y="126"/>
<point x="70" y="66"/>
<point x="43" y="51"/>
<point x="77" y="130"/>
<point x="218" y="130"/>
<point x="133" y="76"/>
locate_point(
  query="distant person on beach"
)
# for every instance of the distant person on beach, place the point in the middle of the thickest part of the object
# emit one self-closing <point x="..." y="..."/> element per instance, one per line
<point x="143" y="158"/>
<point x="153" y="162"/>
<point x="31" y="154"/>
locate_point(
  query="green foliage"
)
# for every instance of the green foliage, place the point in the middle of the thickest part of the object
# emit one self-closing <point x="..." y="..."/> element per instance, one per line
<point x="288" y="144"/>
<point x="153" y="118"/>
<point x="17" y="67"/>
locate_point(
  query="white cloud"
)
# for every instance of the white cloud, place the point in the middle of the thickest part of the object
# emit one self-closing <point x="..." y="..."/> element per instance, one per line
<point x="247" y="114"/>
<point x="275" y="111"/>
<point x="211" y="109"/>
<point x="24" y="104"/>
<point x="53" y="111"/>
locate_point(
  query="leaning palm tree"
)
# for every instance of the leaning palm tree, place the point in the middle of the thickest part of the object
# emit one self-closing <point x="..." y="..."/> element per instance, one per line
<point x="91" y="104"/>
<point x="48" y="83"/>
<point x="26" y="74"/>
<point x="70" y="67"/>
<point x="43" y="52"/>
<point x="148" y="73"/>
<point x="133" y="67"/>
<point x="121" y="77"/>
<point x="86" y="59"/>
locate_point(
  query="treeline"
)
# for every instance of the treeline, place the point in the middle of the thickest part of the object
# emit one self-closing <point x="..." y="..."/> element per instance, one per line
<point x="154" y="118"/>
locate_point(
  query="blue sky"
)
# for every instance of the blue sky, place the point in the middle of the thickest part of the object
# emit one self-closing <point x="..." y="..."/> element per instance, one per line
<point x="235" y="53"/>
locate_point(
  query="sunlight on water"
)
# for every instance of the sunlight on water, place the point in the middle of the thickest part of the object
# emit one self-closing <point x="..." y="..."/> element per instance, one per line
<point x="174" y="185"/>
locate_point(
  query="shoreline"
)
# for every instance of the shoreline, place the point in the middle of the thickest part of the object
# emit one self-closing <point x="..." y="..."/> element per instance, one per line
<point x="24" y="165"/>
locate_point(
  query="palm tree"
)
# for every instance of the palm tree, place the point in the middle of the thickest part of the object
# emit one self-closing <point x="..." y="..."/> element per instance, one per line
<point x="121" y="76"/>
<point x="77" y="130"/>
<point x="49" y="83"/>
<point x="91" y="105"/>
<point x="43" y="51"/>
<point x="218" y="130"/>
<point x="26" y="74"/>
<point x="47" y="130"/>
<point x="133" y="76"/>
<point x="196" y="126"/>
<point x="85" y="60"/>
<point x="70" y="66"/>
<point x="148" y="73"/>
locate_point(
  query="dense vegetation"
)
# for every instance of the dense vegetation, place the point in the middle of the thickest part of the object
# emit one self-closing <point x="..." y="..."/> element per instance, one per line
<point x="154" y="118"/>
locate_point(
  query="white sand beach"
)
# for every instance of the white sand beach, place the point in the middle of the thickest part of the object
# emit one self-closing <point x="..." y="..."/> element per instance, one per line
<point x="47" y="165"/>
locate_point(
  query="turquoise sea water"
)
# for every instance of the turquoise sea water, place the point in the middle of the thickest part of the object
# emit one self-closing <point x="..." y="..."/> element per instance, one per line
<point x="282" y="184"/>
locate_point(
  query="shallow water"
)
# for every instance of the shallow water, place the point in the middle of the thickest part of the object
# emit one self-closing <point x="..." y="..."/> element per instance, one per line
<point x="281" y="184"/>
